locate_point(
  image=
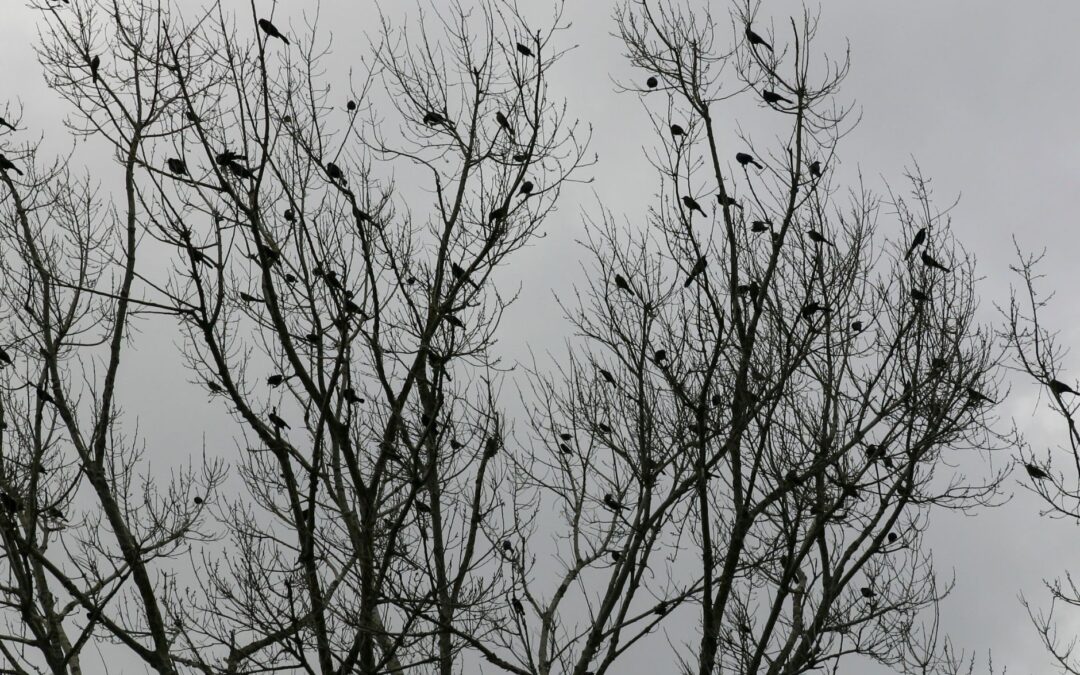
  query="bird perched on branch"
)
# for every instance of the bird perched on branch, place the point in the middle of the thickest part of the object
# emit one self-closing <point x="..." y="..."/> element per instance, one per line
<point x="622" y="284"/>
<point x="691" y="203"/>
<point x="1036" y="471"/>
<point x="526" y="188"/>
<point x="176" y="166"/>
<point x="271" y="30"/>
<point x="755" y="40"/>
<point x="772" y="98"/>
<point x="819" y="238"/>
<point x="1059" y="387"/>
<point x="916" y="242"/>
<point x="433" y="118"/>
<point x="277" y="421"/>
<point x="503" y="122"/>
<point x="728" y="201"/>
<point x="815" y="169"/>
<point x="5" y="165"/>
<point x="612" y="503"/>
<point x="5" y="123"/>
<point x="523" y="50"/>
<point x="745" y="158"/>
<point x="929" y="261"/>
<point x="334" y="172"/>
<point x="652" y="82"/>
<point x="95" y="65"/>
<point x="677" y="130"/>
<point x="695" y="271"/>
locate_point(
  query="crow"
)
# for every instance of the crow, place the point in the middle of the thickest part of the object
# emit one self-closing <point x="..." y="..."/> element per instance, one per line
<point x="351" y="397"/>
<point x="5" y="358"/>
<point x="275" y="380"/>
<point x="812" y="307"/>
<point x="815" y="169"/>
<point x="929" y="261"/>
<point x="754" y="39"/>
<point x="271" y="30"/>
<point x="867" y="592"/>
<point x="771" y="97"/>
<point x="523" y="50"/>
<point x="606" y="374"/>
<point x="695" y="271"/>
<point x="1059" y="387"/>
<point x="916" y="242"/>
<point x="919" y="296"/>
<point x="516" y="604"/>
<point x="277" y="421"/>
<point x="744" y="159"/>
<point x="289" y="216"/>
<point x="976" y="397"/>
<point x="659" y="357"/>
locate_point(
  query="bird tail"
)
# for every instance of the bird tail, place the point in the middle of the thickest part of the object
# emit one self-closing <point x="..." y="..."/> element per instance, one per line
<point x="285" y="40"/>
<point x="910" y="251"/>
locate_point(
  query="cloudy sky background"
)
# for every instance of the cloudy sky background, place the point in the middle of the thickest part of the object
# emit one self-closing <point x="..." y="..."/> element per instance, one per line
<point x="982" y="93"/>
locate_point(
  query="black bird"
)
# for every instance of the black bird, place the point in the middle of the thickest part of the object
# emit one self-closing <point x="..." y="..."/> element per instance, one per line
<point x="432" y="118"/>
<point x="1036" y="471"/>
<point x="893" y="537"/>
<point x="351" y="397"/>
<point x="503" y="122"/>
<point x="497" y="214"/>
<point x="5" y="123"/>
<point x="198" y="500"/>
<point x="271" y="30"/>
<point x="516" y="604"/>
<point x="95" y="63"/>
<point x="526" y="188"/>
<point x="659" y="357"/>
<point x="857" y="326"/>
<point x="819" y="238"/>
<point x="521" y="157"/>
<point x="651" y="82"/>
<point x="813" y="307"/>
<point x="695" y="271"/>
<point x="612" y="503"/>
<point x="603" y="428"/>
<point x="5" y="358"/>
<point x="334" y="171"/>
<point x="566" y="437"/>
<point x="755" y="39"/>
<point x="350" y="106"/>
<point x="677" y="130"/>
<point x="745" y="158"/>
<point x="508" y="546"/>
<point x="691" y="203"/>
<point x="867" y="592"/>
<point x="771" y="97"/>
<point x="920" y="237"/>
<point x="728" y="201"/>
<point x="214" y="387"/>
<point x="289" y="215"/>
<point x="454" y="321"/>
<point x="176" y="166"/>
<point x="247" y="297"/>
<point x="491" y="447"/>
<point x="976" y="397"/>
<point x="227" y="157"/>
<point x="277" y="421"/>
<point x="621" y="283"/>
<point x="760" y="226"/>
<point x="565" y="449"/>
<point x="815" y="169"/>
<point x="275" y="380"/>
<point x="459" y="273"/>
<point x="523" y="50"/>
<point x="919" y="296"/>
<point x="606" y="374"/>
<point x="929" y="261"/>
<point x="6" y="164"/>
<point x="1056" y="386"/>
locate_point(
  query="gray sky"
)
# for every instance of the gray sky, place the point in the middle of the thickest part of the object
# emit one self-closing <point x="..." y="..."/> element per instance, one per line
<point x="980" y="92"/>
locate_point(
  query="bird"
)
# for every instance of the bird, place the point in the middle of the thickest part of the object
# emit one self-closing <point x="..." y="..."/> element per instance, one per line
<point x="771" y="97"/>
<point x="491" y="447"/>
<point x="622" y="284"/>
<point x="745" y="158"/>
<point x="459" y="273"/>
<point x="819" y="238"/>
<point x="227" y="157"/>
<point x="857" y="326"/>
<point x="289" y="215"/>
<point x="812" y="307"/>
<point x="497" y="214"/>
<point x="1036" y="471"/>
<point x="565" y="449"/>
<point x="677" y="130"/>
<point x="523" y="50"/>
<point x="728" y="201"/>
<point x="5" y="358"/>
<point x="893" y="537"/>
<point x="612" y="503"/>
<point x="659" y="357"/>
<point x="691" y="203"/>
<point x="334" y="171"/>
<point x="247" y="297"/>
<point x="815" y="169"/>
<point x="275" y="380"/>
<point x="526" y="188"/>
<point x="277" y="421"/>
<point x="929" y="261"/>
<point x="432" y="118"/>
<point x="565" y="436"/>
<point x="754" y="39"/>
<point x="351" y="397"/>
<point x="5" y="123"/>
<point x="1056" y="386"/>
<point x="271" y="30"/>
<point x="516" y="604"/>
<point x="867" y="592"/>
<point x="508" y="546"/>
<point x="652" y="82"/>
<point x="975" y="396"/>
<point x="198" y="500"/>
<point x="176" y="166"/>
<point x="214" y="387"/>
<point x="695" y="271"/>
<point x="606" y="374"/>
<point x="503" y="122"/>
<point x="919" y="296"/>
<point x="454" y="321"/>
<point x="350" y="106"/>
<point x="95" y="64"/>
<point x="916" y="242"/>
<point x="760" y="225"/>
<point x="6" y="164"/>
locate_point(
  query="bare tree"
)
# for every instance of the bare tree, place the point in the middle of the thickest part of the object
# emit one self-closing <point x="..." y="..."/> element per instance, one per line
<point x="347" y="324"/>
<point x="773" y="385"/>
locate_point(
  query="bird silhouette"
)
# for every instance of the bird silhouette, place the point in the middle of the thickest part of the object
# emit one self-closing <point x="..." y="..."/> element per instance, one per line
<point x="432" y="118"/>
<point x="677" y="130"/>
<point x="916" y="242"/>
<point x="815" y="169"/>
<point x="919" y="296"/>
<point x="691" y="203"/>
<point x="744" y="158"/>
<point x="503" y="122"/>
<point x="5" y="123"/>
<point x="334" y="171"/>
<point x="771" y="97"/>
<point x="351" y="397"/>
<point x="695" y="271"/>
<point x="812" y="307"/>
<point x="95" y="64"/>
<point x="497" y="214"/>
<point x="6" y="164"/>
<point x="521" y="157"/>
<point x="226" y="157"/>
<point x="5" y="358"/>
<point x="652" y="82"/>
<point x="1036" y="471"/>
<point x="176" y="166"/>
<point x="214" y="387"/>
<point x="1059" y="387"/>
<point x="565" y="436"/>
<point x="857" y="326"/>
<point x="459" y="273"/>
<point x="247" y="297"/>
<point x="612" y="503"/>
<point x="728" y="201"/>
<point x="929" y="261"/>
<point x="976" y="397"/>
<point x="867" y="592"/>
<point x="565" y="449"/>
<point x="275" y="380"/>
<point x="608" y="377"/>
<point x="277" y="421"/>
<point x="526" y="188"/>
<point x="523" y="50"/>
<point x="759" y="226"/>
<point x="516" y="604"/>
<point x="622" y="284"/>
<point x="819" y="238"/>
<point x="271" y="30"/>
<point x="893" y="537"/>
<point x="289" y="215"/>
<point x="659" y="357"/>
<point x="755" y="39"/>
